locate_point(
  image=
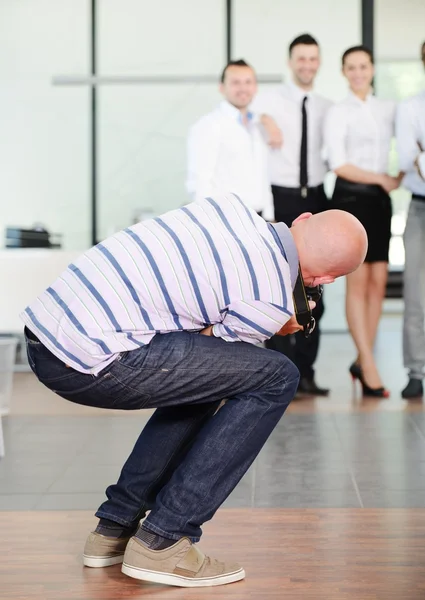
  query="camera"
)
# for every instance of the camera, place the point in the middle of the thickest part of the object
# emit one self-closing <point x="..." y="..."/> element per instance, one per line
<point x="314" y="293"/>
<point x="302" y="295"/>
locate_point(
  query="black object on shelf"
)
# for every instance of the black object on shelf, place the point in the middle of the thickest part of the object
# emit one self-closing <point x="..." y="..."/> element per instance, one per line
<point x="394" y="284"/>
<point x="37" y="237"/>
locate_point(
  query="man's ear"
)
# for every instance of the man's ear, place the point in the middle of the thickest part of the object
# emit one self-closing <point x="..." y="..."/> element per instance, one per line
<point x="305" y="215"/>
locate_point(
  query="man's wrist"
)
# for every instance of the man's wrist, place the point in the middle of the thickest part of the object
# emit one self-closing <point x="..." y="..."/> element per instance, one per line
<point x="379" y="179"/>
<point x="207" y="331"/>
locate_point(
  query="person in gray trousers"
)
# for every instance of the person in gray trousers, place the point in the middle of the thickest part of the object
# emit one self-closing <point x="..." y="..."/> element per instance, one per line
<point x="410" y="133"/>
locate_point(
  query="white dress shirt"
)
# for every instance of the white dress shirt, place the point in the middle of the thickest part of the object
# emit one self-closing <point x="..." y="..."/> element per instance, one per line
<point x="284" y="105"/>
<point x="227" y="156"/>
<point x="359" y="133"/>
<point x="410" y="132"/>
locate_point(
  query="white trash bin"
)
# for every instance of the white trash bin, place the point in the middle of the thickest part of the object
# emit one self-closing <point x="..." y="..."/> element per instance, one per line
<point x="7" y="363"/>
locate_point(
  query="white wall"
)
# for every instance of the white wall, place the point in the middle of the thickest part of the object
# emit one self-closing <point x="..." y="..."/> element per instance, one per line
<point x="44" y="130"/>
<point x="399" y="29"/>
<point x="263" y="31"/>
<point x="161" y="37"/>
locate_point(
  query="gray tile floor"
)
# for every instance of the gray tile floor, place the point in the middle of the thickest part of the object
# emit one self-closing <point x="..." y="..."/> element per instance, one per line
<point x="311" y="461"/>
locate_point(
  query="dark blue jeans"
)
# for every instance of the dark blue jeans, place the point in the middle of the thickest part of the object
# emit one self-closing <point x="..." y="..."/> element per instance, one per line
<point x="190" y="456"/>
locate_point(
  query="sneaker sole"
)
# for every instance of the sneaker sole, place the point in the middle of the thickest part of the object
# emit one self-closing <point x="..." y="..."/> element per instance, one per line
<point x="180" y="581"/>
<point x="102" y="561"/>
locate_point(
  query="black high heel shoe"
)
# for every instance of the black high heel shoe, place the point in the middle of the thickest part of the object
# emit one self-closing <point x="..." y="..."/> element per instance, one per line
<point x="380" y="392"/>
<point x="355" y="371"/>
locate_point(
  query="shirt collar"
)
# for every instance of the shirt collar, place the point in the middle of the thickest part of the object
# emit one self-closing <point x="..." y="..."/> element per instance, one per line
<point x="297" y="92"/>
<point x="232" y="111"/>
<point x="355" y="98"/>
<point x="283" y="237"/>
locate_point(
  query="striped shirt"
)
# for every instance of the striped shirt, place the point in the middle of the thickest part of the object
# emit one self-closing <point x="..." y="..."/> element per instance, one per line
<point x="212" y="262"/>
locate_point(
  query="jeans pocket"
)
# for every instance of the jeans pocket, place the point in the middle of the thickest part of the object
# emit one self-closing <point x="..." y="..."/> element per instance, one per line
<point x="132" y="360"/>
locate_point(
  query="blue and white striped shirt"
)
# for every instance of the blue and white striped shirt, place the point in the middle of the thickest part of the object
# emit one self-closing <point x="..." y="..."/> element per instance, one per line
<point x="211" y="262"/>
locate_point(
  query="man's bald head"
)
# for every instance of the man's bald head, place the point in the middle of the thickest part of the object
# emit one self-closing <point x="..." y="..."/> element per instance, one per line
<point x="330" y="244"/>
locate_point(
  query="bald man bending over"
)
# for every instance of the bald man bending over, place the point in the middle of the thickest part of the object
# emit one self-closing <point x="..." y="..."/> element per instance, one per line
<point x="168" y="314"/>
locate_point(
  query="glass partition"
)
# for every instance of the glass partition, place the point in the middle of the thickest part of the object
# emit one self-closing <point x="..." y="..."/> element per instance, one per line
<point x="399" y="34"/>
<point x="142" y="142"/>
<point x="44" y="147"/>
<point x="143" y="123"/>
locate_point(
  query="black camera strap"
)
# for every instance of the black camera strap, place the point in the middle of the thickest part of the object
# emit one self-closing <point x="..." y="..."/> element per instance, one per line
<point x="301" y="294"/>
<point x="302" y="307"/>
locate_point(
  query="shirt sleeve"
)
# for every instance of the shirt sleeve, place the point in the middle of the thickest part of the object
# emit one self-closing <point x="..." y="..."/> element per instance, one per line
<point x="253" y="321"/>
<point x="203" y="148"/>
<point x="268" y="210"/>
<point x="335" y="132"/>
<point x="406" y="136"/>
<point x="263" y="103"/>
<point x="257" y="104"/>
<point x="267" y="196"/>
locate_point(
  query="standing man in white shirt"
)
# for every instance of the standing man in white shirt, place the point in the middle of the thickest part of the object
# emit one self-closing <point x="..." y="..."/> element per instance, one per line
<point x="227" y="152"/>
<point x="293" y="116"/>
<point x="410" y="132"/>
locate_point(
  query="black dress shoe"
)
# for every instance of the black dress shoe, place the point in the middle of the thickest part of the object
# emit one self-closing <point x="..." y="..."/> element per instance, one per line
<point x="308" y="386"/>
<point x="414" y="389"/>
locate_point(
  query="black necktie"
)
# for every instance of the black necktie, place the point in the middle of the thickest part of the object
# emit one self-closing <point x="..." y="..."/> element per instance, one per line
<point x="303" y="157"/>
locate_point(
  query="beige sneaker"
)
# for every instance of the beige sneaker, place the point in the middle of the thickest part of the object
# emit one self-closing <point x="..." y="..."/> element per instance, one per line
<point x="182" y="564"/>
<point x="103" y="551"/>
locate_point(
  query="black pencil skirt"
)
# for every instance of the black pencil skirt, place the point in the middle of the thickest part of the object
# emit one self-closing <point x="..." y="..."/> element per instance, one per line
<point x="372" y="207"/>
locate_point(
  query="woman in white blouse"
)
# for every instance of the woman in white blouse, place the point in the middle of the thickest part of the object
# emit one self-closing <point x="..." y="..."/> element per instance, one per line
<point x="358" y="134"/>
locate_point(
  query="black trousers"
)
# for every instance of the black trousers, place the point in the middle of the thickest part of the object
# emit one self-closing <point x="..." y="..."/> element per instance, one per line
<point x="288" y="205"/>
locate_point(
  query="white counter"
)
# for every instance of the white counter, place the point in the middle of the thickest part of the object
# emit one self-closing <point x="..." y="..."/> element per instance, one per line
<point x="25" y="273"/>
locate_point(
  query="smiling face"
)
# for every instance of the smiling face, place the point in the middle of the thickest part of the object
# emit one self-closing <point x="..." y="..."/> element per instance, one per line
<point x="359" y="71"/>
<point x="239" y="86"/>
<point x="304" y="63"/>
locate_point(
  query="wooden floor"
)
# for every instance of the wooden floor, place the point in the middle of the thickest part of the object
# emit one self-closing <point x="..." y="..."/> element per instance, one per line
<point x="287" y="554"/>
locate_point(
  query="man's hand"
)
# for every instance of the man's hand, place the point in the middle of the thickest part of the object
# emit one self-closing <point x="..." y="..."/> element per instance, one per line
<point x="400" y="177"/>
<point x="292" y="326"/>
<point x="274" y="134"/>
<point x="389" y="183"/>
